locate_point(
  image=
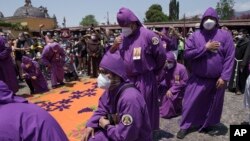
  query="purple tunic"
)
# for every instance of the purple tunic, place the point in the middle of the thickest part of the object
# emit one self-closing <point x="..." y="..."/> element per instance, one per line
<point x="7" y="70"/>
<point x="203" y="102"/>
<point x="21" y="121"/>
<point x="175" y="81"/>
<point x="130" y="102"/>
<point x="55" y="61"/>
<point x="169" y="43"/>
<point x="40" y="84"/>
<point x="144" y="57"/>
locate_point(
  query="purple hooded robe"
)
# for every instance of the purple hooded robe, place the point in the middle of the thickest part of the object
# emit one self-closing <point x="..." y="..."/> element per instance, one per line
<point x="55" y="60"/>
<point x="130" y="102"/>
<point x="144" y="58"/>
<point x="7" y="70"/>
<point x="203" y="102"/>
<point x="175" y="80"/>
<point x="39" y="84"/>
<point x="21" y="121"/>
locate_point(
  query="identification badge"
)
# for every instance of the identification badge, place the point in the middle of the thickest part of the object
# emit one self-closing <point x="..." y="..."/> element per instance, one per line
<point x="177" y="78"/>
<point x="137" y="53"/>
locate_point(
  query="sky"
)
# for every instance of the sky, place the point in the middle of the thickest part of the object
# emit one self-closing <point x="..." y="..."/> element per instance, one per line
<point x="75" y="10"/>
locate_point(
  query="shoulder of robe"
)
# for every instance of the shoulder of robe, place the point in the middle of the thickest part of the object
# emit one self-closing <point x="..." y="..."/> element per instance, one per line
<point x="152" y="38"/>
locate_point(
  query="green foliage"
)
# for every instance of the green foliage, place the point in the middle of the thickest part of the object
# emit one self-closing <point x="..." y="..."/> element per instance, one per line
<point x="174" y="9"/>
<point x="15" y="26"/>
<point x="225" y="9"/>
<point x="155" y="14"/>
<point x="89" y="20"/>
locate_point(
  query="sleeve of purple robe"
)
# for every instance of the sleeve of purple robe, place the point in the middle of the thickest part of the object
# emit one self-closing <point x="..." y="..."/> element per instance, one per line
<point x="121" y="132"/>
<point x="158" y="52"/>
<point x="5" y="53"/>
<point x="45" y="56"/>
<point x="101" y="111"/>
<point x="27" y="76"/>
<point x="191" y="50"/>
<point x="228" y="58"/>
<point x="178" y="87"/>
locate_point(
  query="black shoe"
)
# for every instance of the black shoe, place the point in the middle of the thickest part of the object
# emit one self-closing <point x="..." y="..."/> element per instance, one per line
<point x="209" y="130"/>
<point x="62" y="84"/>
<point x="182" y="133"/>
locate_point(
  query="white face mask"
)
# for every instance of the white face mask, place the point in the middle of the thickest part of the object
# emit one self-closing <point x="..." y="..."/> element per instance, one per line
<point x="126" y="31"/>
<point x="169" y="65"/>
<point x="103" y="81"/>
<point x="209" y="24"/>
<point x="240" y="36"/>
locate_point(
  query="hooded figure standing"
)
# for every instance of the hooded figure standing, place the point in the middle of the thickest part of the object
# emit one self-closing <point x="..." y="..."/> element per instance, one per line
<point x="144" y="58"/>
<point x="53" y="57"/>
<point x="7" y="69"/>
<point x="210" y="53"/>
<point x="122" y="113"/>
<point x="175" y="78"/>
<point x="21" y="121"/>
<point x="34" y="76"/>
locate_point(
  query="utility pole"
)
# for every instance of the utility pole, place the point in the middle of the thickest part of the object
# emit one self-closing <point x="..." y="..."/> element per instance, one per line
<point x="107" y="18"/>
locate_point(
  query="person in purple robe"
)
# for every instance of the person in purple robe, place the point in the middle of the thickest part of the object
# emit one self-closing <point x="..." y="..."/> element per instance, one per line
<point x="175" y="78"/>
<point x="7" y="69"/>
<point x="33" y="76"/>
<point x="23" y="121"/>
<point x="53" y="57"/>
<point x="144" y="58"/>
<point x="210" y="53"/>
<point x="122" y="113"/>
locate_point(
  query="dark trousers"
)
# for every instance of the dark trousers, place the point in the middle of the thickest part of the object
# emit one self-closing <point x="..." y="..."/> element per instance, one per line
<point x="93" y="66"/>
<point x="28" y="81"/>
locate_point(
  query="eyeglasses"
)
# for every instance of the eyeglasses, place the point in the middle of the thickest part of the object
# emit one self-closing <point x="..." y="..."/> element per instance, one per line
<point x="102" y="71"/>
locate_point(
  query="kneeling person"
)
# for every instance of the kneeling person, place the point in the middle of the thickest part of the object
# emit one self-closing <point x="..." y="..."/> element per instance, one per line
<point x="122" y="112"/>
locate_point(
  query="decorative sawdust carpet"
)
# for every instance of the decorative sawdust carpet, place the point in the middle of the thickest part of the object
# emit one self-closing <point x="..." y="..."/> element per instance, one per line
<point x="71" y="105"/>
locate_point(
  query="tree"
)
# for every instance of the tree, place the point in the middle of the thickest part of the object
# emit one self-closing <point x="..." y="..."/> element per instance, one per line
<point x="89" y="20"/>
<point x="155" y="14"/>
<point x="174" y="10"/>
<point x="225" y="9"/>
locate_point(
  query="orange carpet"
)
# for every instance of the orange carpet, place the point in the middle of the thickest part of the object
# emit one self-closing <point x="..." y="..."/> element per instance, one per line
<point x="71" y="105"/>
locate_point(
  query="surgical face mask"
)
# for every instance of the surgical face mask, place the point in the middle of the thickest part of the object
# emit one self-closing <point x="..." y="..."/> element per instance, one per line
<point x="240" y="36"/>
<point x="126" y="31"/>
<point x="169" y="65"/>
<point x="103" y="81"/>
<point x="209" y="24"/>
<point x="93" y="37"/>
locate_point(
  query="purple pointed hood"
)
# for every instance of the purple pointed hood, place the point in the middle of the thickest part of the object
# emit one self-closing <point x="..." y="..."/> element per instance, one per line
<point x="6" y="95"/>
<point x="210" y="12"/>
<point x="170" y="56"/>
<point x="114" y="63"/>
<point x="125" y="16"/>
<point x="55" y="46"/>
<point x="26" y="60"/>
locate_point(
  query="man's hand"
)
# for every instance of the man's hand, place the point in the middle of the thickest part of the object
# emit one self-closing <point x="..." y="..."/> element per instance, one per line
<point x="88" y="131"/>
<point x="212" y="45"/>
<point x="220" y="83"/>
<point x="103" y="122"/>
<point x="33" y="77"/>
<point x="118" y="40"/>
<point x="169" y="94"/>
